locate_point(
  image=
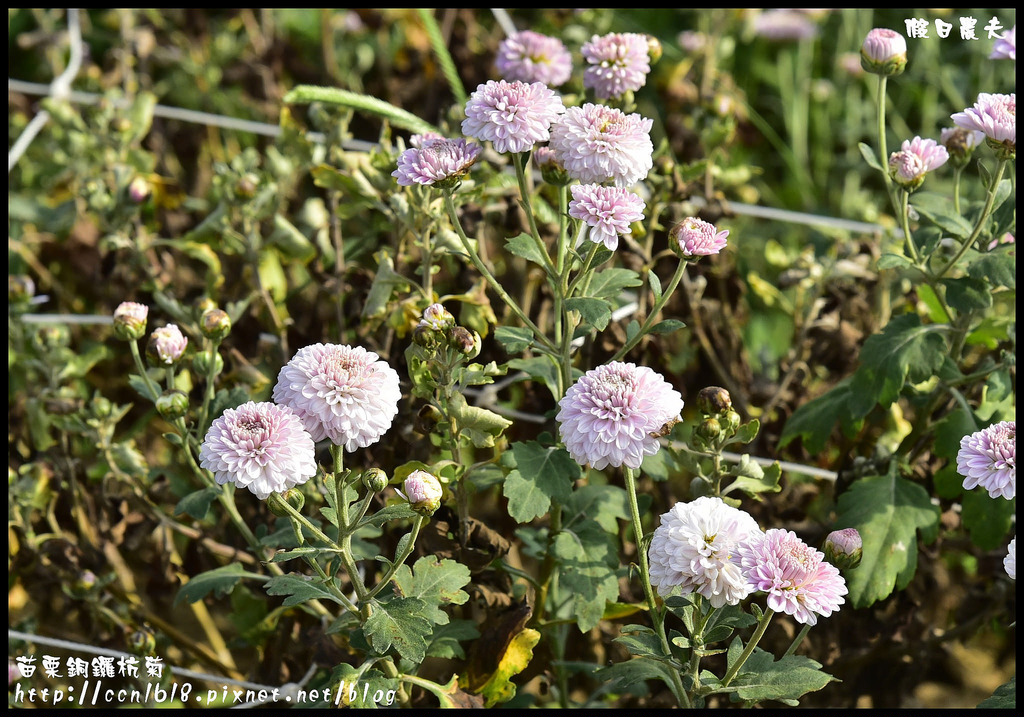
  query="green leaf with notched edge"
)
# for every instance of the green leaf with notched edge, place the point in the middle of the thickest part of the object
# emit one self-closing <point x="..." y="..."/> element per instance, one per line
<point x="220" y="582"/>
<point x="446" y="639"/>
<point x="997" y="267"/>
<point x="526" y="247"/>
<point x="588" y="559"/>
<point x="763" y="678"/>
<point x="1004" y="698"/>
<point x="515" y="339"/>
<point x="436" y="582"/>
<point x="595" y="312"/>
<point x="937" y="208"/>
<point x="480" y="425"/>
<point x="887" y="511"/>
<point x="967" y="294"/>
<point x="358" y="688"/>
<point x="988" y="520"/>
<point x="298" y="589"/>
<point x="813" y="421"/>
<point x="197" y="504"/>
<point x="609" y="283"/>
<point x="904" y="351"/>
<point x="641" y="640"/>
<point x="541" y="473"/>
<point x="401" y="623"/>
<point x="604" y="504"/>
<point x="625" y="674"/>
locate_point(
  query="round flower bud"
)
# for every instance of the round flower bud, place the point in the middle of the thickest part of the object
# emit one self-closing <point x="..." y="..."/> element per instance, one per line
<point x="709" y="429"/>
<point x="465" y="341"/>
<point x="202" y="360"/>
<point x="247" y="186"/>
<point x="844" y="548"/>
<point x="84" y="583"/>
<point x="960" y="143"/>
<point x="172" y="405"/>
<point x="427" y="419"/>
<point x="292" y="497"/>
<point x="654" y="49"/>
<point x="215" y="324"/>
<point x="730" y="422"/>
<point x="139" y="190"/>
<point x="166" y="345"/>
<point x="374" y="480"/>
<point x="424" y="336"/>
<point x="130" y="320"/>
<point x="693" y="238"/>
<point x="884" y="52"/>
<point x="713" y="400"/>
<point x="437" y="318"/>
<point x="551" y="170"/>
<point x="142" y="641"/>
<point x="423" y="491"/>
<point x="20" y="288"/>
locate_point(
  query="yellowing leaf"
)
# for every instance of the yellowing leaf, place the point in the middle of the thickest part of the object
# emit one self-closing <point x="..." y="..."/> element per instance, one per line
<point x="517" y="656"/>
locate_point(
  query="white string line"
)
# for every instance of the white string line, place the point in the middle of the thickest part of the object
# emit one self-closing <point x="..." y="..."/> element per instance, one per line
<point x="503" y="18"/>
<point x="59" y="88"/>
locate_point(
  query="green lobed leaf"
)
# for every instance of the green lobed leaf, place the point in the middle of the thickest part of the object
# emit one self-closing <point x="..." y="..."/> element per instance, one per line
<point x="220" y="582"/>
<point x="539" y="368"/>
<point x="904" y="350"/>
<point x="888" y="511"/>
<point x="936" y="207"/>
<point x="515" y="339"/>
<point x="298" y="589"/>
<point x="595" y="312"/>
<point x="813" y="421"/>
<point x="436" y="582"/>
<point x="604" y="504"/>
<point x="988" y="520"/>
<point x="1004" y="698"/>
<point x="609" y="283"/>
<point x="966" y="294"/>
<point x="622" y="675"/>
<point x="446" y="639"/>
<point x="526" y="247"/>
<point x="641" y="641"/>
<point x="589" y="561"/>
<point x="401" y="623"/>
<point x="358" y="687"/>
<point x="997" y="267"/>
<point x="894" y="261"/>
<point x="541" y="473"/>
<point x="478" y="424"/>
<point x="197" y="504"/>
<point x="763" y="678"/>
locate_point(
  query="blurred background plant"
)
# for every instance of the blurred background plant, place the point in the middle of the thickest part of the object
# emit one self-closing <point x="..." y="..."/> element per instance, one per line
<point x="286" y="216"/>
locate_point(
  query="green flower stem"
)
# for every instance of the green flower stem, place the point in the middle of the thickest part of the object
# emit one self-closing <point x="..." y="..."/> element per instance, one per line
<point x="399" y="559"/>
<point x="762" y="625"/>
<point x="652" y="315"/>
<point x="141" y="367"/>
<point x="169" y="377"/>
<point x="645" y="581"/>
<point x="494" y="284"/>
<point x="698" y="637"/>
<point x="563" y="231"/>
<point x="548" y="567"/>
<point x="797" y="640"/>
<point x="584" y="271"/>
<point x="985" y="213"/>
<point x="883" y="158"/>
<point x="209" y="391"/>
<point x="388" y="665"/>
<point x="957" y="173"/>
<point x="518" y="160"/>
<point x="295" y="515"/>
<point x="904" y="214"/>
<point x="345" y="526"/>
<point x="332" y="586"/>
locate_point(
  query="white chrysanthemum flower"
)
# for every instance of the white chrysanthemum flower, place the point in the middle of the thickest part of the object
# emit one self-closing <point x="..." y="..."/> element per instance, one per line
<point x="615" y="414"/>
<point x="695" y="549"/>
<point x="259" y="446"/>
<point x="343" y="393"/>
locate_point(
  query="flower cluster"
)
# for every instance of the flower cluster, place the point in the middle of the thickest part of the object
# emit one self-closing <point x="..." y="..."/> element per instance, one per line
<point x="259" y="446"/>
<point x="617" y="63"/>
<point x="717" y="551"/>
<point x="615" y="414"/>
<point x="529" y="56"/>
<point x="988" y="458"/>
<point x="513" y="116"/>
<point x="608" y="211"/>
<point x="343" y="393"/>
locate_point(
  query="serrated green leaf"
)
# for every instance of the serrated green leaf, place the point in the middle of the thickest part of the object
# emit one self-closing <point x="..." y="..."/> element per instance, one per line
<point x="609" y="283"/>
<point x="401" y="623"/>
<point x="446" y="639"/>
<point x="641" y="641"/>
<point x="604" y="504"/>
<point x="358" y="687"/>
<point x="762" y="678"/>
<point x="589" y="561"/>
<point x="220" y="582"/>
<point x="894" y="261"/>
<point x="542" y="473"/>
<point x="539" y="368"/>
<point x="1004" y="698"/>
<point x="904" y="350"/>
<point x="997" y="267"/>
<point x="814" y="421"/>
<point x="988" y="520"/>
<point x="753" y="482"/>
<point x="141" y="387"/>
<point x="595" y="312"/>
<point x="478" y="424"/>
<point x="298" y="589"/>
<point x="622" y="675"/>
<point x="515" y="339"/>
<point x="887" y="511"/>
<point x="197" y="504"/>
<point x="937" y="208"/>
<point x="436" y="582"/>
<point x="526" y="247"/>
<point x="967" y="294"/>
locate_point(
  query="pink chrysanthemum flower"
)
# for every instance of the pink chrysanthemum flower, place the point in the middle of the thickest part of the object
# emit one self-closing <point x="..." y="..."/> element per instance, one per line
<point x="785" y="25"/>
<point x="989" y="458"/>
<point x="343" y="393"/>
<point x="419" y="141"/>
<point x="440" y="161"/>
<point x="1005" y="47"/>
<point x="437" y="318"/>
<point x="513" y="116"/>
<point x="695" y="237"/>
<point x="259" y="446"/>
<point x="695" y="548"/>
<point x="618" y="63"/>
<point x="529" y="56"/>
<point x="130" y="320"/>
<point x="166" y="345"/>
<point x="1010" y="561"/>
<point x="596" y="144"/>
<point x="608" y="211"/>
<point x="423" y="491"/>
<point x="995" y="115"/>
<point x="915" y="159"/>
<point x="796" y="577"/>
<point x="615" y="414"/>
